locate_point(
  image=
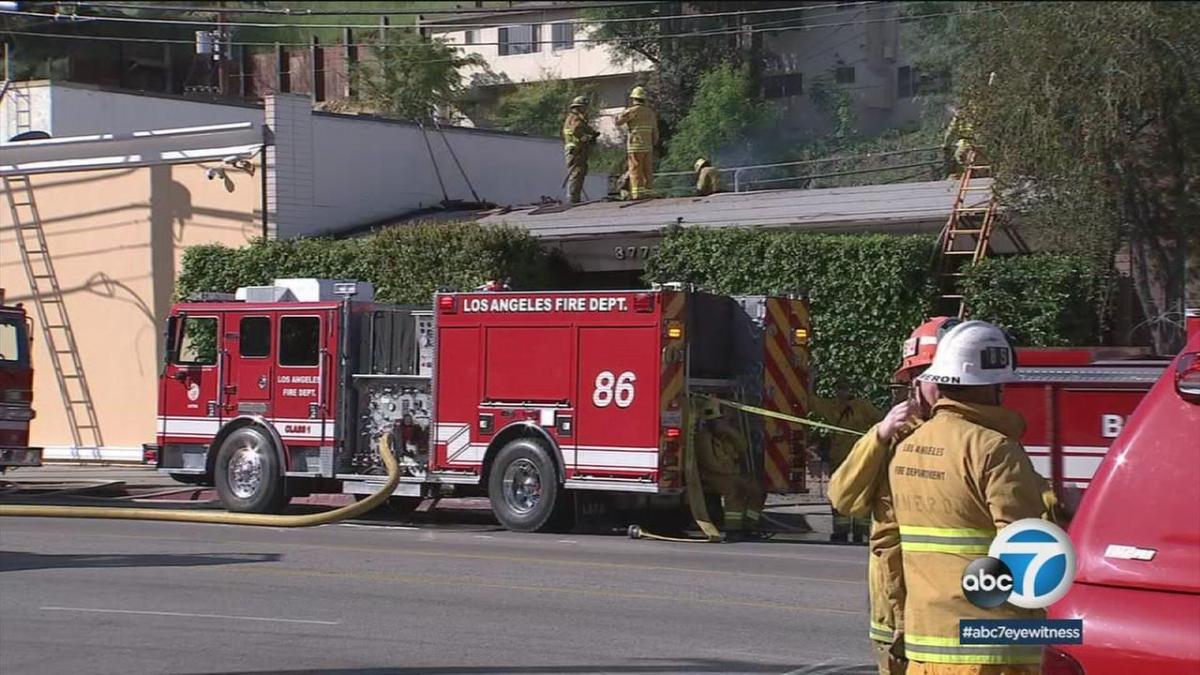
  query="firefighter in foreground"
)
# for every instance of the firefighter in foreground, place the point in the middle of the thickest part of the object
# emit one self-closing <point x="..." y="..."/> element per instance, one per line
<point x="854" y="413"/>
<point x="641" y="123"/>
<point x="721" y="451"/>
<point x="708" y="179"/>
<point x="578" y="139"/>
<point x="955" y="481"/>
<point x="860" y="488"/>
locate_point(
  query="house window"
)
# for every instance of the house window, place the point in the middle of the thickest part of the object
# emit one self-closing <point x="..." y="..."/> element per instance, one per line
<point x="844" y="74"/>
<point x="906" y="82"/>
<point x="782" y="86"/>
<point x="299" y="341"/>
<point x="521" y="39"/>
<point x="254" y="337"/>
<point x="562" y="36"/>
<point x="471" y="37"/>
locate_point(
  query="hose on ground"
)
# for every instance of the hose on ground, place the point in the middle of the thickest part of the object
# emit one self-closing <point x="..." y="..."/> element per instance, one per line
<point x="695" y="498"/>
<point x="221" y="517"/>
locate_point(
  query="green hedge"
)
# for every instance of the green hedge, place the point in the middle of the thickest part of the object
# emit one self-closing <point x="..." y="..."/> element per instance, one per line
<point x="1044" y="300"/>
<point x="406" y="264"/>
<point x="868" y="291"/>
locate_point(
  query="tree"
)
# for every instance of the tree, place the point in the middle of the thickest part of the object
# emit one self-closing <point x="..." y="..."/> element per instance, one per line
<point x="537" y="108"/>
<point x="412" y="77"/>
<point x="680" y="50"/>
<point x="720" y="123"/>
<point x="1092" y="125"/>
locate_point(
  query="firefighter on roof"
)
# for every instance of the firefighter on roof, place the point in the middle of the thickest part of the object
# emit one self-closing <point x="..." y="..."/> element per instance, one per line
<point x="642" y="124"/>
<point x="955" y="481"/>
<point x="708" y="179"/>
<point x="721" y="451"/>
<point x="578" y="139"/>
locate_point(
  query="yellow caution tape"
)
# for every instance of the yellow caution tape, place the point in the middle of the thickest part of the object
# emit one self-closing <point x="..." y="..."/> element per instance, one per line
<point x="787" y="418"/>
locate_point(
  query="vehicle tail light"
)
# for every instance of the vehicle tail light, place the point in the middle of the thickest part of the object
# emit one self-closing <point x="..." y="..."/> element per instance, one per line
<point x="673" y="432"/>
<point x="1055" y="662"/>
<point x="1187" y="377"/>
<point x="446" y="304"/>
<point x="670" y="455"/>
<point x="643" y="302"/>
<point x="800" y="336"/>
<point x="674" y="330"/>
<point x="150" y="454"/>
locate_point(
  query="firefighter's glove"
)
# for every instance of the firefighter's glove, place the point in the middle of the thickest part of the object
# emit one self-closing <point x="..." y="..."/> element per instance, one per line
<point x="894" y="421"/>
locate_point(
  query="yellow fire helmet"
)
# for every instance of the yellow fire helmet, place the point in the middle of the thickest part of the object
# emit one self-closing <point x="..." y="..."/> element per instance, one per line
<point x="638" y="94"/>
<point x="700" y="163"/>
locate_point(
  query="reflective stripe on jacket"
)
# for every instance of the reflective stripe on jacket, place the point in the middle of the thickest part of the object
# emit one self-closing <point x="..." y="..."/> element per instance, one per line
<point x="860" y="487"/>
<point x="956" y="481"/>
<point x="577" y="133"/>
<point x="642" y="123"/>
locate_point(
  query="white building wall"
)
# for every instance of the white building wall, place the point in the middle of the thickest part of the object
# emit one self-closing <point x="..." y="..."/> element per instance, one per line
<point x="366" y="170"/>
<point x="582" y="60"/>
<point x="64" y="110"/>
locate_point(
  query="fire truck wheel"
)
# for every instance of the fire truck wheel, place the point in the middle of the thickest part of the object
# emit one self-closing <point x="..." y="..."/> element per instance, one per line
<point x="524" y="489"/>
<point x="247" y="473"/>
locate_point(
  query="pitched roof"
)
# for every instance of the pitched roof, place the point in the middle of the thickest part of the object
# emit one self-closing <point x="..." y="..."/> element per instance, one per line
<point x="897" y="208"/>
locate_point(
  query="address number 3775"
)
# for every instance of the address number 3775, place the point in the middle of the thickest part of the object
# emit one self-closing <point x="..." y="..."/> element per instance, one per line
<point x="614" y="389"/>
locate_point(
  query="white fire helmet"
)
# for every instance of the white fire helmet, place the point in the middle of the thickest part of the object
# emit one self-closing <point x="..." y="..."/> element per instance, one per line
<point x="972" y="354"/>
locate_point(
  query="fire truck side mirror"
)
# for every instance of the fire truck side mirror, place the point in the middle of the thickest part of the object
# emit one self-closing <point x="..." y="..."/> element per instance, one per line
<point x="172" y="335"/>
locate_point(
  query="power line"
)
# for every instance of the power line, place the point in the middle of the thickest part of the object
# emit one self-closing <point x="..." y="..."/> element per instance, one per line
<point x="589" y="22"/>
<point x="734" y="31"/>
<point x="287" y="11"/>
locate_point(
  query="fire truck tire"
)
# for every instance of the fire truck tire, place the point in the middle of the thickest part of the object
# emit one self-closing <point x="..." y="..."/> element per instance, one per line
<point x="247" y="474"/>
<point x="524" y="489"/>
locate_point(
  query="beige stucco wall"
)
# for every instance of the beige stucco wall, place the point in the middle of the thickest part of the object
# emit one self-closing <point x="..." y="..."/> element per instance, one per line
<point x="116" y="238"/>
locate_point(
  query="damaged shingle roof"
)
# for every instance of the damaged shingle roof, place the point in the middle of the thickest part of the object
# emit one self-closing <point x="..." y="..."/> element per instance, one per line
<point x="896" y="208"/>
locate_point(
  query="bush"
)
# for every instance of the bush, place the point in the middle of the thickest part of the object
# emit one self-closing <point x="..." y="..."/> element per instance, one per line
<point x="406" y="264"/>
<point x="1044" y="300"/>
<point x="869" y="291"/>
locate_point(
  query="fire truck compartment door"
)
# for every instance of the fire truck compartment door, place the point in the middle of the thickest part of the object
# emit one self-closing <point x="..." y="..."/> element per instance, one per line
<point x="618" y="401"/>
<point x="249" y="340"/>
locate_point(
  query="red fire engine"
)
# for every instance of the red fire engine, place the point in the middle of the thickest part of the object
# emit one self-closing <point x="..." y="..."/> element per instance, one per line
<point x="16" y="389"/>
<point x="1075" y="403"/>
<point x="525" y="397"/>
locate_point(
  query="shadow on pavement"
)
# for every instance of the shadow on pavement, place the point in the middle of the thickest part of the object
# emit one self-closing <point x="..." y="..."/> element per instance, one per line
<point x="12" y="561"/>
<point x="660" y="666"/>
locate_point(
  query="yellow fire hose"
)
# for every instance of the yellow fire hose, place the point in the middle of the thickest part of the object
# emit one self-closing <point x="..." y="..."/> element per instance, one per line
<point x="695" y="491"/>
<point x="220" y="518"/>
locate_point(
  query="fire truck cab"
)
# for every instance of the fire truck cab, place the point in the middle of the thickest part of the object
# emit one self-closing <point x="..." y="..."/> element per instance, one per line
<point x="16" y="389"/>
<point x="525" y="397"/>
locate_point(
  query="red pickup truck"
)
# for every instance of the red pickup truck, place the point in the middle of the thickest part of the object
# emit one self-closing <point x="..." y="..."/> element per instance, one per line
<point x="1137" y="539"/>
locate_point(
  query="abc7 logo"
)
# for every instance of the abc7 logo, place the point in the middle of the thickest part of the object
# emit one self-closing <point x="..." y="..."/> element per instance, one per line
<point x="1030" y="564"/>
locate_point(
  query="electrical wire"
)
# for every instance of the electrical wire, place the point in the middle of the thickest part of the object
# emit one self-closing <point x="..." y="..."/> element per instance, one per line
<point x="287" y="11"/>
<point x="76" y="18"/>
<point x="735" y="31"/>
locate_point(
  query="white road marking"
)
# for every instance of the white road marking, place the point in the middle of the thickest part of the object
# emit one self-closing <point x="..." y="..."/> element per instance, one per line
<point x="187" y="615"/>
<point x="484" y="536"/>
<point x="567" y="541"/>
<point x="379" y="527"/>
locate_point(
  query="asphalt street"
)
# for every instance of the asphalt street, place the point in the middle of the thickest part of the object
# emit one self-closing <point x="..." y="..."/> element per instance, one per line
<point x="96" y="596"/>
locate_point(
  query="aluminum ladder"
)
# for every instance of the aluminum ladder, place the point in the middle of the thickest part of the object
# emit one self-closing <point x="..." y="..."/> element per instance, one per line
<point x="52" y="315"/>
<point x="966" y="238"/>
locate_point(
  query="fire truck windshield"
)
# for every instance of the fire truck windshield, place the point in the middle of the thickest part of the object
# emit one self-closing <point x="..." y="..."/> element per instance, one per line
<point x="13" y="341"/>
